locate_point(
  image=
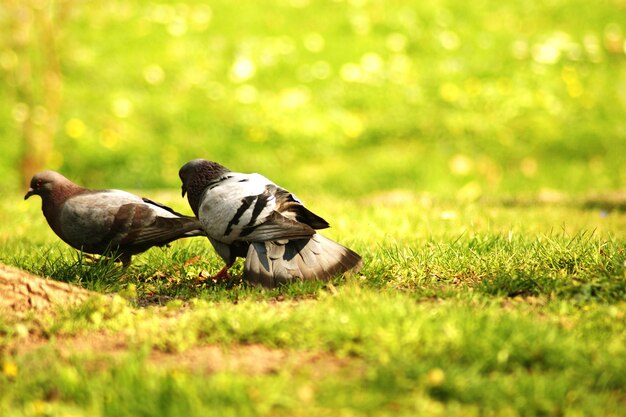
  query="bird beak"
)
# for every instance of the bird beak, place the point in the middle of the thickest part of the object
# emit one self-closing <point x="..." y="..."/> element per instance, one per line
<point x="184" y="190"/>
<point x="30" y="193"/>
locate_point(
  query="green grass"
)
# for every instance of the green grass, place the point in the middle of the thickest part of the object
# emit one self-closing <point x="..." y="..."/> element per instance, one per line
<point x="487" y="98"/>
<point x="467" y="309"/>
<point x="458" y="357"/>
<point x="472" y="152"/>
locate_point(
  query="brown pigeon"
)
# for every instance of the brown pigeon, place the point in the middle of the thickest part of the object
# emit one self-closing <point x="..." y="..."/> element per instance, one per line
<point x="105" y="222"/>
<point x="247" y="215"/>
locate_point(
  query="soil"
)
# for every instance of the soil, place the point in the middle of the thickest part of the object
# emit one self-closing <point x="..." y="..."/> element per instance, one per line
<point x="22" y="293"/>
<point x="98" y="350"/>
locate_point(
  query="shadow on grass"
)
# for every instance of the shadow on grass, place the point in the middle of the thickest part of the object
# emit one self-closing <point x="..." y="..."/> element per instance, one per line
<point x="160" y="278"/>
<point x="599" y="288"/>
<point x="615" y="201"/>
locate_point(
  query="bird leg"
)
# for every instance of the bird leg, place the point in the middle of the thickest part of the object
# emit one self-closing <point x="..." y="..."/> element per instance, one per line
<point x="125" y="260"/>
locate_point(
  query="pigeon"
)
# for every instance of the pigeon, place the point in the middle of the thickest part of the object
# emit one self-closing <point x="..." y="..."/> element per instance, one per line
<point x="107" y="222"/>
<point x="247" y="215"/>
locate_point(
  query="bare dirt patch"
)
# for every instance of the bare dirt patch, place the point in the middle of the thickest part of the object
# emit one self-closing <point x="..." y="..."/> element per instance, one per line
<point x="23" y="292"/>
<point x="250" y="359"/>
<point x="100" y="349"/>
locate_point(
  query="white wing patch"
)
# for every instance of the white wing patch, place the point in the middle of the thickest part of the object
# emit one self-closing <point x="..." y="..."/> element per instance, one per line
<point x="235" y="203"/>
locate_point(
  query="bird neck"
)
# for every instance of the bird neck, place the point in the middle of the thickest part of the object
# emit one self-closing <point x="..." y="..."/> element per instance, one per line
<point x="205" y="177"/>
<point x="52" y="203"/>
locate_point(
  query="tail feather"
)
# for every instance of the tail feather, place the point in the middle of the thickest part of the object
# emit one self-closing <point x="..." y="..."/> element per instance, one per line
<point x="274" y="263"/>
<point x="255" y="268"/>
<point x="163" y="231"/>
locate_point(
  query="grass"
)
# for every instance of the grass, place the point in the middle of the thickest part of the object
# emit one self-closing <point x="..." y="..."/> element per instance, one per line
<point x="453" y="357"/>
<point x="472" y="152"/>
<point x="488" y="98"/>
<point x="520" y="314"/>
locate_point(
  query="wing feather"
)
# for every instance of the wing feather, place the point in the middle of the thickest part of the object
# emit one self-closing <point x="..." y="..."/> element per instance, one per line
<point x="113" y="219"/>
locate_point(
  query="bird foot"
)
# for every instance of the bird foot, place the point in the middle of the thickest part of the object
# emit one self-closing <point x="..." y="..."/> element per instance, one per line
<point x="91" y="259"/>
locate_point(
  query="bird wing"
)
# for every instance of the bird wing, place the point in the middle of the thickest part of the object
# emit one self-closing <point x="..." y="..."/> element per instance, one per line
<point x="288" y="205"/>
<point x="87" y="219"/>
<point x="116" y="219"/>
<point x="250" y="207"/>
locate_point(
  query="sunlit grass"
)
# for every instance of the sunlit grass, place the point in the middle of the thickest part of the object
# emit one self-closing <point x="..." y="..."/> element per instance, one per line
<point x="530" y="97"/>
<point x="473" y="154"/>
<point x="460" y="307"/>
<point x="411" y="241"/>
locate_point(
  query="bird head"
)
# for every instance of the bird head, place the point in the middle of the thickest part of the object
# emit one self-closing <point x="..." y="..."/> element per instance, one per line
<point x="196" y="175"/>
<point x="43" y="183"/>
<point x="186" y="173"/>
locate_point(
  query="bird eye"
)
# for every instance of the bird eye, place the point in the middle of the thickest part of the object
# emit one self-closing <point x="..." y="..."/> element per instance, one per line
<point x="38" y="183"/>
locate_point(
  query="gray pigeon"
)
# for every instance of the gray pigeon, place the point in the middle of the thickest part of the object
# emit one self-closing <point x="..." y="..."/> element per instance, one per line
<point x="107" y="221"/>
<point x="247" y="215"/>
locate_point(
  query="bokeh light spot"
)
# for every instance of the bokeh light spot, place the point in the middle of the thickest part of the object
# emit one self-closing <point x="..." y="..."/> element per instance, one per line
<point x="461" y="165"/>
<point x="109" y="138"/>
<point x="9" y="60"/>
<point x="201" y="17"/>
<point x="400" y="67"/>
<point x="546" y="53"/>
<point x="122" y="107"/>
<point x="350" y="72"/>
<point x="450" y="92"/>
<point x="449" y="40"/>
<point x="520" y="49"/>
<point x="314" y="42"/>
<point x="242" y="69"/>
<point x="9" y="369"/>
<point x="321" y="70"/>
<point x="153" y="74"/>
<point x="613" y="38"/>
<point x="396" y="42"/>
<point x="361" y="23"/>
<point x="448" y="215"/>
<point x="372" y="62"/>
<point x="20" y="112"/>
<point x="294" y="98"/>
<point x="40" y="115"/>
<point x="591" y="44"/>
<point x="161" y="13"/>
<point x="177" y="27"/>
<point x="569" y="75"/>
<point x="246" y="94"/>
<point x="75" y="128"/>
<point x="528" y="167"/>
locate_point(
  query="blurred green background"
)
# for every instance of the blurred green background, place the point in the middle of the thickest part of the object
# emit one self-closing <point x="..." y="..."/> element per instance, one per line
<point x="448" y="97"/>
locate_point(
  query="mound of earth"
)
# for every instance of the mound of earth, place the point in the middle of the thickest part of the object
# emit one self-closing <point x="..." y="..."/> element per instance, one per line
<point x="22" y="292"/>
